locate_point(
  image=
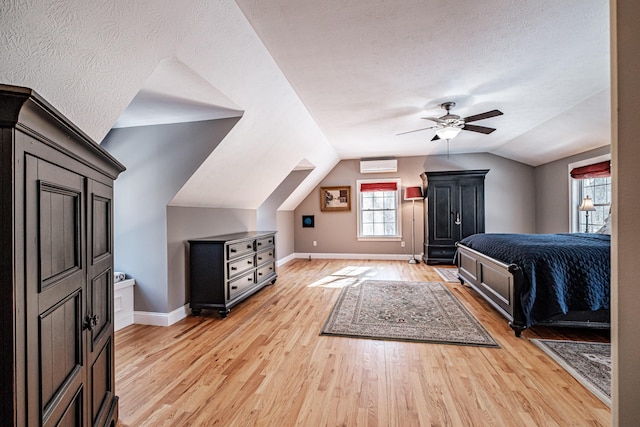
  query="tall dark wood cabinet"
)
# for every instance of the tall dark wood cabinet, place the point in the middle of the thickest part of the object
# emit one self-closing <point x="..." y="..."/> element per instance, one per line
<point x="455" y="210"/>
<point x="56" y="255"/>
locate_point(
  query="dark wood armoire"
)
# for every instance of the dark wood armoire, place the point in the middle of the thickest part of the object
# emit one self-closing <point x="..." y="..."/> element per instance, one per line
<point x="454" y="210"/>
<point x="56" y="255"/>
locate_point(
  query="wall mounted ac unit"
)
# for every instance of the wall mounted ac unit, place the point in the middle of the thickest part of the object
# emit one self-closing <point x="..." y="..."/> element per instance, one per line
<point x="378" y="166"/>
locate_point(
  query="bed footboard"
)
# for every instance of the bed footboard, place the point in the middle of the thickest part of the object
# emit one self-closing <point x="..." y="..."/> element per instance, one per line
<point x="498" y="283"/>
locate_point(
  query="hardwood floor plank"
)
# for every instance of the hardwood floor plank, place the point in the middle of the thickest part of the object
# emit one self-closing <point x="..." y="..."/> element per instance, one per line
<point x="266" y="364"/>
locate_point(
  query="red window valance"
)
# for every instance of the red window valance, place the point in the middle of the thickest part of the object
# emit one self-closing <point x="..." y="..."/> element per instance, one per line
<point x="596" y="170"/>
<point x="379" y="186"/>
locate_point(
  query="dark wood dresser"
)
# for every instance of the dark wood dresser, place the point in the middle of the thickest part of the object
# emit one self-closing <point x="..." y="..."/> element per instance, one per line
<point x="227" y="269"/>
<point x="56" y="258"/>
<point x="455" y="210"/>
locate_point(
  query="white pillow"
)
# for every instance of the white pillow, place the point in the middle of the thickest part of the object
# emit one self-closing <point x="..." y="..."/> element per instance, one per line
<point x="606" y="227"/>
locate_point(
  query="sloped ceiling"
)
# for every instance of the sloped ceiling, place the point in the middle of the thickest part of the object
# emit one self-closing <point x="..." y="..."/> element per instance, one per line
<point x="369" y="70"/>
<point x="175" y="94"/>
<point x="90" y="59"/>
<point x="319" y="81"/>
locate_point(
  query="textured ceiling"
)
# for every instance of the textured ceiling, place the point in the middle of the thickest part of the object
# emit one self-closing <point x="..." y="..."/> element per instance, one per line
<point x="91" y="58"/>
<point x="369" y="70"/>
<point x="316" y="81"/>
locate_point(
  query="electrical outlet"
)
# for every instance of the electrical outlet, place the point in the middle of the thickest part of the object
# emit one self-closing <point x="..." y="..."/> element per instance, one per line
<point x="315" y="243"/>
<point x="402" y="244"/>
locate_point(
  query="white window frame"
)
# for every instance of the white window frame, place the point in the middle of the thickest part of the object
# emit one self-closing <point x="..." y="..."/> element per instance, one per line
<point x="398" y="235"/>
<point x="575" y="196"/>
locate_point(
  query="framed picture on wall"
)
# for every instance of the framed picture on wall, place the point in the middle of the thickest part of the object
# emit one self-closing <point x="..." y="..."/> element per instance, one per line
<point x="335" y="199"/>
<point x="308" y="221"/>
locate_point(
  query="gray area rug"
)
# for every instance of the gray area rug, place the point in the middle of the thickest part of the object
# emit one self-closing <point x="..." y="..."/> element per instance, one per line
<point x="405" y="311"/>
<point x="448" y="274"/>
<point x="588" y="362"/>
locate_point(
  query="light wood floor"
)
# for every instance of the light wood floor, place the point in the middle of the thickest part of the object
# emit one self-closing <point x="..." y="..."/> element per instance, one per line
<point x="267" y="365"/>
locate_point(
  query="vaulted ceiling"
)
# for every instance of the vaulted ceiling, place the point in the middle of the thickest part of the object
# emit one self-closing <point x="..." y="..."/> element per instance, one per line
<point x="319" y="81"/>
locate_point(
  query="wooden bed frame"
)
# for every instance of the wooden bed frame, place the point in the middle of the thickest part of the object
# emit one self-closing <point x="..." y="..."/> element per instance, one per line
<point x="501" y="285"/>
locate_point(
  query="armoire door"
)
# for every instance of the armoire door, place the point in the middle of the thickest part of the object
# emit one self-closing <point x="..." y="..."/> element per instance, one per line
<point x="442" y="216"/>
<point x="55" y="294"/>
<point x="471" y="208"/>
<point x="455" y="210"/>
<point x="101" y="382"/>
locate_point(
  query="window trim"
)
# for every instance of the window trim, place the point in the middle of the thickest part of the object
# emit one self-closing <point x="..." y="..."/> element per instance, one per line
<point x="574" y="190"/>
<point x="398" y="235"/>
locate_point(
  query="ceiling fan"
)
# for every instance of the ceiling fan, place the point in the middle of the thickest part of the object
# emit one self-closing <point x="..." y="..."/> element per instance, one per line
<point x="449" y="125"/>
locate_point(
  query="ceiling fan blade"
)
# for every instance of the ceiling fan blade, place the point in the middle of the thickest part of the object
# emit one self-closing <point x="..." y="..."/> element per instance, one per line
<point x="435" y="138"/>
<point x="435" y="119"/>
<point x="417" y="130"/>
<point x="488" y="114"/>
<point x="481" y="129"/>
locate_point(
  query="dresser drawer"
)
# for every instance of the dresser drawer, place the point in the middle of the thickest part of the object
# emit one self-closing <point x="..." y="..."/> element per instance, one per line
<point x="264" y="243"/>
<point x="234" y="268"/>
<point x="235" y="250"/>
<point x="241" y="284"/>
<point x="265" y="271"/>
<point x="265" y="256"/>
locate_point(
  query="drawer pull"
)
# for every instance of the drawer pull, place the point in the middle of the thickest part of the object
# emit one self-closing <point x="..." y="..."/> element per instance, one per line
<point x="250" y="262"/>
<point x="259" y="258"/>
<point x="259" y="243"/>
<point x="233" y="250"/>
<point x="234" y="268"/>
<point x="260" y="274"/>
<point x="249" y="279"/>
<point x="249" y="247"/>
<point x="234" y="287"/>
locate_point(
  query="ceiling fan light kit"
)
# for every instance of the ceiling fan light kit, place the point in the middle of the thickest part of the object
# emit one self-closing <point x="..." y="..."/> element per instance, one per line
<point x="448" y="132"/>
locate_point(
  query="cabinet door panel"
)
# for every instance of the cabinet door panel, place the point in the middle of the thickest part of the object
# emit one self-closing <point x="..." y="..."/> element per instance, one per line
<point x="60" y="352"/>
<point x="101" y="383"/>
<point x="442" y="213"/>
<point x="469" y="210"/>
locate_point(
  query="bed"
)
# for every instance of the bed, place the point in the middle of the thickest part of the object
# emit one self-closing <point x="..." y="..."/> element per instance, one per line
<point x="549" y="279"/>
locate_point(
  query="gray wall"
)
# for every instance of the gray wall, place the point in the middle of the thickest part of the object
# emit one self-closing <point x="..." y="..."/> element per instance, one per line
<point x="159" y="160"/>
<point x="509" y="195"/>
<point x="552" y="192"/>
<point x="336" y="232"/>
<point x="267" y="211"/>
<point x="184" y="223"/>
<point x="285" y="236"/>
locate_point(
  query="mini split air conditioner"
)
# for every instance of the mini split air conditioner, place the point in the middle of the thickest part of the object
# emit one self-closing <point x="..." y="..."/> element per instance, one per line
<point x="378" y="166"/>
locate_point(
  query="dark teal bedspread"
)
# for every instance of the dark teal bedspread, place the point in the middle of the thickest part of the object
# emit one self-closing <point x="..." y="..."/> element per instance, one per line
<point x="562" y="272"/>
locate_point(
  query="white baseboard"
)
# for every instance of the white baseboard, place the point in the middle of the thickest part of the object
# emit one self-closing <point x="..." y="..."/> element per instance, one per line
<point x="389" y="257"/>
<point x="161" y="319"/>
<point x="285" y="260"/>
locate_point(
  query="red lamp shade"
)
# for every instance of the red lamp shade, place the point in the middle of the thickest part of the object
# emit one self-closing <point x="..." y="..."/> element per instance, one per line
<point x="413" y="193"/>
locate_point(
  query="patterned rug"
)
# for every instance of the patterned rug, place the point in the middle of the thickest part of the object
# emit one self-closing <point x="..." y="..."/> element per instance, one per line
<point x="588" y="362"/>
<point x="448" y="274"/>
<point x="405" y="311"/>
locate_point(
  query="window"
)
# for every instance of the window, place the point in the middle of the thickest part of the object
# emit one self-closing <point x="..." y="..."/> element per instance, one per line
<point x="378" y="209"/>
<point x="591" y="178"/>
<point x="599" y="189"/>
